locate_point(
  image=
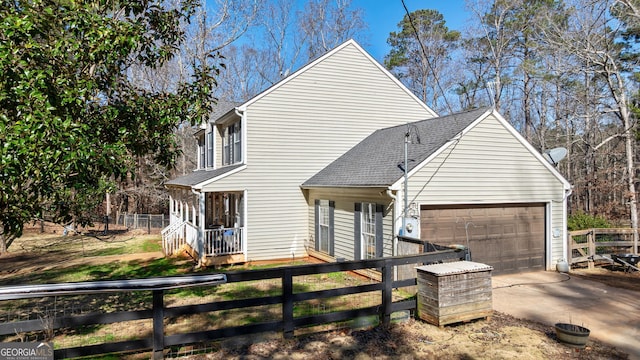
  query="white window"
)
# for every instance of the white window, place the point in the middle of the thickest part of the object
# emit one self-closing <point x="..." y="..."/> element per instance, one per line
<point x="323" y="226"/>
<point x="232" y="144"/>
<point x="201" y="152"/>
<point x="237" y="143"/>
<point x="368" y="230"/>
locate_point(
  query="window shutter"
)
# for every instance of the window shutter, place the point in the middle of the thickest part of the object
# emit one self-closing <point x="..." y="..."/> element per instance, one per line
<point x="210" y="149"/>
<point x="357" y="240"/>
<point x="332" y="206"/>
<point x="317" y="225"/>
<point x="379" y="233"/>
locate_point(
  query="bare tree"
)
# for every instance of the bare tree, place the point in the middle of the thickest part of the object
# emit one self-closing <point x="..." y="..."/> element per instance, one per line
<point x="495" y="42"/>
<point x="284" y="38"/>
<point x="591" y="39"/>
<point x="328" y="23"/>
<point x="214" y="26"/>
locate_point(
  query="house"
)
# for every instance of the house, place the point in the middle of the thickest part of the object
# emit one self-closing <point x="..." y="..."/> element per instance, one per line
<point x="244" y="201"/>
<point x="314" y="165"/>
<point x="471" y="180"/>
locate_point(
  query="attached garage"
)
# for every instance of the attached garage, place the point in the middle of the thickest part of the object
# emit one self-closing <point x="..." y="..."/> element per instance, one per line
<point x="471" y="179"/>
<point x="509" y="237"/>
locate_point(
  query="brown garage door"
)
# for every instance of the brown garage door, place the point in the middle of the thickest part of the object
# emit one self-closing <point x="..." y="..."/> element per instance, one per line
<point x="510" y="238"/>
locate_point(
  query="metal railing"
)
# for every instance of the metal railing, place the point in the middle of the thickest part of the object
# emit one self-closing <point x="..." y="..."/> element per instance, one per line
<point x="142" y="221"/>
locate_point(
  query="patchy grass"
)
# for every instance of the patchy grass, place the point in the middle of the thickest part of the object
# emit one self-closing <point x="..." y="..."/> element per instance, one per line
<point x="144" y="246"/>
<point x="68" y="259"/>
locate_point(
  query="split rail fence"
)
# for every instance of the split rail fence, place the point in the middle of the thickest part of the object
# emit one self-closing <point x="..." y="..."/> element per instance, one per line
<point x="160" y="313"/>
<point x="591" y="244"/>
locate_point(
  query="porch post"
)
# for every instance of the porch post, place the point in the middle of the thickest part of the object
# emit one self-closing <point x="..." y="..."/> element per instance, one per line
<point x="245" y="218"/>
<point x="201" y="223"/>
<point x="186" y="210"/>
<point x="171" y="207"/>
<point x="196" y="219"/>
<point x="182" y="209"/>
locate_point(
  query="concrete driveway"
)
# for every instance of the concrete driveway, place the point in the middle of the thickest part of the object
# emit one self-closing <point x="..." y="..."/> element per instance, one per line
<point x="612" y="314"/>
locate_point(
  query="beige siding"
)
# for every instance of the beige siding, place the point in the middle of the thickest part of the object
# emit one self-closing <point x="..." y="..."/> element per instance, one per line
<point x="344" y="218"/>
<point x="297" y="129"/>
<point x="489" y="166"/>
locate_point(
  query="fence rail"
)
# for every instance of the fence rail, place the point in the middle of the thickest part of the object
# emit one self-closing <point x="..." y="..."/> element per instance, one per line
<point x="159" y="312"/>
<point x="587" y="245"/>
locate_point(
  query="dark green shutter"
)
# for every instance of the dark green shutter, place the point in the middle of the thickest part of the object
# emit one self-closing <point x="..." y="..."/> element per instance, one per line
<point x="317" y="224"/>
<point x="379" y="234"/>
<point x="332" y="206"/>
<point x="357" y="241"/>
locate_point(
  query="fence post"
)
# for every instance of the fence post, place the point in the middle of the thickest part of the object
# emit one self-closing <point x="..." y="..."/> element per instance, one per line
<point x="158" y="324"/>
<point x="592" y="242"/>
<point x="387" y="281"/>
<point x="569" y="248"/>
<point x="287" y="304"/>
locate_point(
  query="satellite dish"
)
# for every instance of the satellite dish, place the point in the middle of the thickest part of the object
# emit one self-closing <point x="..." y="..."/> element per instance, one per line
<point x="555" y="155"/>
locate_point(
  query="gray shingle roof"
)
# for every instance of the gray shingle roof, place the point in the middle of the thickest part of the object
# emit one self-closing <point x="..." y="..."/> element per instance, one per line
<point x="222" y="107"/>
<point x="200" y="176"/>
<point x="377" y="160"/>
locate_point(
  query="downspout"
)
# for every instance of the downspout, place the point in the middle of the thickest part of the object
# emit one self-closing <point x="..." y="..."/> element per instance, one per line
<point x="394" y="198"/>
<point x="565" y="242"/>
<point x="243" y="127"/>
<point x="245" y="216"/>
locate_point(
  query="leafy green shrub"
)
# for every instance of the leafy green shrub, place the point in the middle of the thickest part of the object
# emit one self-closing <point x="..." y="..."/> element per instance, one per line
<point x="582" y="221"/>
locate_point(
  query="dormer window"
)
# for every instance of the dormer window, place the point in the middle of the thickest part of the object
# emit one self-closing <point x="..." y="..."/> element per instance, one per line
<point x="232" y="144"/>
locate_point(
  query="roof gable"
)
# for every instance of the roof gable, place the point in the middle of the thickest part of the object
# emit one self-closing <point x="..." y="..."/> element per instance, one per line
<point x="377" y="161"/>
<point x="349" y="43"/>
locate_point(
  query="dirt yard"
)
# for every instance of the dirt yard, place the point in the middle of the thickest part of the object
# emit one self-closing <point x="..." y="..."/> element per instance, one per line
<point x="500" y="337"/>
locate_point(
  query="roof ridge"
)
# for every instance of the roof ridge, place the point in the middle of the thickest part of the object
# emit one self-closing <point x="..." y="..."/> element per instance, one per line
<point x="485" y="108"/>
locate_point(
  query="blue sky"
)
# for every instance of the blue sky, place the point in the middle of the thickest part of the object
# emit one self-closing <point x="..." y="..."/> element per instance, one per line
<point x="383" y="16"/>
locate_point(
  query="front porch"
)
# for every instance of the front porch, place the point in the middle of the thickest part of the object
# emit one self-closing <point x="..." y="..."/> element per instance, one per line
<point x="208" y="226"/>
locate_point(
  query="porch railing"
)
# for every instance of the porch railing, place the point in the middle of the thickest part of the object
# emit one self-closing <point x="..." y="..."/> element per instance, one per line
<point x="191" y="235"/>
<point x="173" y="237"/>
<point x="224" y="241"/>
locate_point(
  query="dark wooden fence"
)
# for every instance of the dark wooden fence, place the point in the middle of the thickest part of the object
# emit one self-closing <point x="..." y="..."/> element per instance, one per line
<point x="158" y="312"/>
<point x="591" y="244"/>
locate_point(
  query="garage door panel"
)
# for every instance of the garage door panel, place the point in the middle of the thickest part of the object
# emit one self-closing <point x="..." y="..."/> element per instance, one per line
<point x="511" y="238"/>
<point x="494" y="230"/>
<point x="509" y="229"/>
